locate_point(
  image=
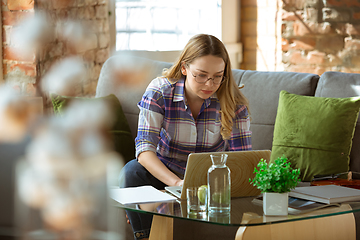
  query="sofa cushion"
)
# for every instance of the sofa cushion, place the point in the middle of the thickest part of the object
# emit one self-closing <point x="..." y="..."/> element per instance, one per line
<point x="262" y="90"/>
<point x="122" y="137"/>
<point x="110" y="82"/>
<point x="315" y="133"/>
<point x="343" y="85"/>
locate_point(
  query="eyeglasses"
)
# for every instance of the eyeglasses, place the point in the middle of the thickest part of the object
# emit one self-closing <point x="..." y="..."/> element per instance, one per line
<point x="203" y="78"/>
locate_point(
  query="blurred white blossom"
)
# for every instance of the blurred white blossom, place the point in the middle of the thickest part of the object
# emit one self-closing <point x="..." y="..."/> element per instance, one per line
<point x="32" y="33"/>
<point x="76" y="34"/>
<point x="64" y="75"/>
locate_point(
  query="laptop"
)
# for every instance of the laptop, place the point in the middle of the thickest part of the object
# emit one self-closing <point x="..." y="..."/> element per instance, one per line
<point x="241" y="164"/>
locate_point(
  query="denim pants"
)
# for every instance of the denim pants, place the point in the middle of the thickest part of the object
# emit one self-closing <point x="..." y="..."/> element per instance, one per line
<point x="134" y="174"/>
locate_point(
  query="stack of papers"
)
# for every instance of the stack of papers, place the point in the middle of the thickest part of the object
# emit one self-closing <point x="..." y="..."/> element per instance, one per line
<point x="143" y="194"/>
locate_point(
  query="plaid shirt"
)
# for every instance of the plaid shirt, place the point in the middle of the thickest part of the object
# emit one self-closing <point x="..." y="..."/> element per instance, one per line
<point x="167" y="127"/>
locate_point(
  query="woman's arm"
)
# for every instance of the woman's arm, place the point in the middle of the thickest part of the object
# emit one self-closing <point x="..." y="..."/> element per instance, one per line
<point x="152" y="163"/>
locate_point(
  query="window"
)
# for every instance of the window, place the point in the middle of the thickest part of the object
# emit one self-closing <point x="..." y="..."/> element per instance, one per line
<point x="164" y="25"/>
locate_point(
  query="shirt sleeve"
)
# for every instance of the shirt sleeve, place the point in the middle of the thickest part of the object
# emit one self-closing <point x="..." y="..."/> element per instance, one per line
<point x="151" y="117"/>
<point x="240" y="139"/>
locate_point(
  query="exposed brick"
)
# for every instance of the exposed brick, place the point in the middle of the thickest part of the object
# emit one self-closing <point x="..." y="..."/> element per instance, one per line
<point x="285" y="45"/>
<point x="11" y="53"/>
<point x="44" y="4"/>
<point x="63" y="14"/>
<point x="92" y="2"/>
<point x="106" y="27"/>
<point x="16" y="5"/>
<point x="287" y="30"/>
<point x="296" y="57"/>
<point x="330" y="43"/>
<point x="303" y="44"/>
<point x="355" y="61"/>
<point x="340" y="28"/>
<point x="102" y="55"/>
<point x="89" y="13"/>
<point x="30" y="89"/>
<point x="301" y="28"/>
<point x="56" y="49"/>
<point x="323" y="28"/>
<point x="316" y="57"/>
<point x="351" y="43"/>
<point x="352" y="29"/>
<point x="89" y="88"/>
<point x="306" y="69"/>
<point x="6" y="35"/>
<point x="104" y="40"/>
<point x="96" y="71"/>
<point x="341" y="3"/>
<point x="13" y="18"/>
<point x="293" y="4"/>
<point x="311" y="14"/>
<point x="292" y="16"/>
<point x="356" y="15"/>
<point x="58" y="4"/>
<point x="27" y="69"/>
<point x="72" y="13"/>
<point x="336" y="15"/>
<point x="90" y="43"/>
<point x="311" y="3"/>
<point x="81" y="13"/>
<point x="101" y="11"/>
<point x="349" y="70"/>
<point x="334" y="60"/>
<point x="89" y="56"/>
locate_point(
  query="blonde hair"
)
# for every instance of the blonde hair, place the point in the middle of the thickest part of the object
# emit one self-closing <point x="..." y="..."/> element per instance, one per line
<point x="228" y="93"/>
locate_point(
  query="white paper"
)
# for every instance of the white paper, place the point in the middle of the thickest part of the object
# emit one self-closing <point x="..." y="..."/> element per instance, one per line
<point x="143" y="194"/>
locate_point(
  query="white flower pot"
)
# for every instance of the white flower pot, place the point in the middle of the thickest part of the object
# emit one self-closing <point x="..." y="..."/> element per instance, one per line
<point x="275" y="204"/>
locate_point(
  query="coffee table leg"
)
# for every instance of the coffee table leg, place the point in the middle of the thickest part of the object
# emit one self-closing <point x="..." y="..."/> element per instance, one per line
<point x="161" y="228"/>
<point x="333" y="227"/>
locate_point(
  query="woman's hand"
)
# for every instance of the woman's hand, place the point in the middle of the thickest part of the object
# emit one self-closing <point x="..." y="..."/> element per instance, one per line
<point x="179" y="183"/>
<point x="152" y="163"/>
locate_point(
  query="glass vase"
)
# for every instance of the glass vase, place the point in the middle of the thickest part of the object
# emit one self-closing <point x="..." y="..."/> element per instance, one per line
<point x="219" y="185"/>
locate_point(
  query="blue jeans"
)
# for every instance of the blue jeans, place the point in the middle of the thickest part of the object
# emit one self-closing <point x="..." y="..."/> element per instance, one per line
<point x="134" y="174"/>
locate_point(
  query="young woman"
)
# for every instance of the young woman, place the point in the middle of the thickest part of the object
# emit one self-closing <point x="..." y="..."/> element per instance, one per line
<point x="195" y="107"/>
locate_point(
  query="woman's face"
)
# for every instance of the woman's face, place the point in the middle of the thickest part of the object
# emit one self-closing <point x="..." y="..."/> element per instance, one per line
<point x="203" y="68"/>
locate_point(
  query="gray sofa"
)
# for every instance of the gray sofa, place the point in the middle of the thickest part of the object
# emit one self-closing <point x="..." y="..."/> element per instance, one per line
<point x="262" y="90"/>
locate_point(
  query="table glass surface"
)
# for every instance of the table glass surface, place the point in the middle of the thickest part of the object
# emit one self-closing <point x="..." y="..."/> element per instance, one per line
<point x="243" y="212"/>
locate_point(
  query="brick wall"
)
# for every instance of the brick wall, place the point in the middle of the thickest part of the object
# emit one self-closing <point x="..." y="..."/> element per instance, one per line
<point x="25" y="74"/>
<point x="17" y="69"/>
<point x="321" y="35"/>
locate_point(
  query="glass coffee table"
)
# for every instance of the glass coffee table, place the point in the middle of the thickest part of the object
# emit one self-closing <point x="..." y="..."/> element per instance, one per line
<point x="326" y="223"/>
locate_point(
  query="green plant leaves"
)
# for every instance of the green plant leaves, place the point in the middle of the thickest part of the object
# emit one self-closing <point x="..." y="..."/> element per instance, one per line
<point x="275" y="177"/>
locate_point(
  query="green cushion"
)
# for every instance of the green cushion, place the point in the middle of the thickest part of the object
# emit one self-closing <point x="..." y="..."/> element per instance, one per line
<point x="121" y="133"/>
<point x="315" y="133"/>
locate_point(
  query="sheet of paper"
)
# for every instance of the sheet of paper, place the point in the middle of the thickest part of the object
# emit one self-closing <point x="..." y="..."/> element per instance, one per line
<point x="143" y="194"/>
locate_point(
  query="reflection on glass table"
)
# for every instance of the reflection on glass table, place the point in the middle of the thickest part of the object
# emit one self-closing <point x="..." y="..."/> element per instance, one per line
<point x="247" y="215"/>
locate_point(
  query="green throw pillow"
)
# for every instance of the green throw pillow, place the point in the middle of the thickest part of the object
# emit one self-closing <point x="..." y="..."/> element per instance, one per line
<point x="315" y="133"/>
<point x="121" y="133"/>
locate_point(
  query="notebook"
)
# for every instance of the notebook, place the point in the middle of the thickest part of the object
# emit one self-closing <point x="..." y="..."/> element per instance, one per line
<point x="327" y="194"/>
<point x="241" y="164"/>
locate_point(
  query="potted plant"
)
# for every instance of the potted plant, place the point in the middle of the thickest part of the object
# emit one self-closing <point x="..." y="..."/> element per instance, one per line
<point x="275" y="181"/>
